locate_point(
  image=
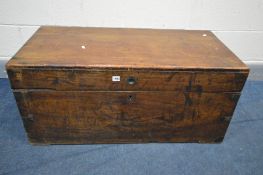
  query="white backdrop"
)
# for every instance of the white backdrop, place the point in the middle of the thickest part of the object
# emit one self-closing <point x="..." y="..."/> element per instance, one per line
<point x="238" y="23"/>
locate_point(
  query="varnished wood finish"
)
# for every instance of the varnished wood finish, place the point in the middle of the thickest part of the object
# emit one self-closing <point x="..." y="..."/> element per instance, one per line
<point x="122" y="116"/>
<point x="125" y="48"/>
<point x="187" y="84"/>
<point x="80" y="79"/>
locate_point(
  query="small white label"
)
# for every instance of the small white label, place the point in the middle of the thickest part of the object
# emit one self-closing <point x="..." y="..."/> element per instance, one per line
<point x="116" y="78"/>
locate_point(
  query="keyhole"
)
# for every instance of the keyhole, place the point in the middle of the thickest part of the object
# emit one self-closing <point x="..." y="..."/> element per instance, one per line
<point x="130" y="97"/>
<point x="131" y="80"/>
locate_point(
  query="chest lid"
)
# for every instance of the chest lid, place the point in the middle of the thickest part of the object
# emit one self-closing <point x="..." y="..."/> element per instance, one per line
<point x="78" y="58"/>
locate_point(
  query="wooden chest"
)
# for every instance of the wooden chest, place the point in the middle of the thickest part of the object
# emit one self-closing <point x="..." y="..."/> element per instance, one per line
<point x="78" y="85"/>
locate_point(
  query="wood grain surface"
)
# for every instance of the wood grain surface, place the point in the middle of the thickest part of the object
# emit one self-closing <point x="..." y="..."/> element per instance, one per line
<point x="123" y="116"/>
<point x="125" y="48"/>
<point x="74" y="79"/>
<point x="185" y="85"/>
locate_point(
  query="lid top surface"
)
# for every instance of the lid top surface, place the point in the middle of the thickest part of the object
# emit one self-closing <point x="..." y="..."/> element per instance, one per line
<point x="125" y="48"/>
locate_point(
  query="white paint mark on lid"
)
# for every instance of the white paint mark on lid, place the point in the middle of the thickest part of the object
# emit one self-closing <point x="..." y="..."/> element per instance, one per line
<point x="204" y="34"/>
<point x="83" y="47"/>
